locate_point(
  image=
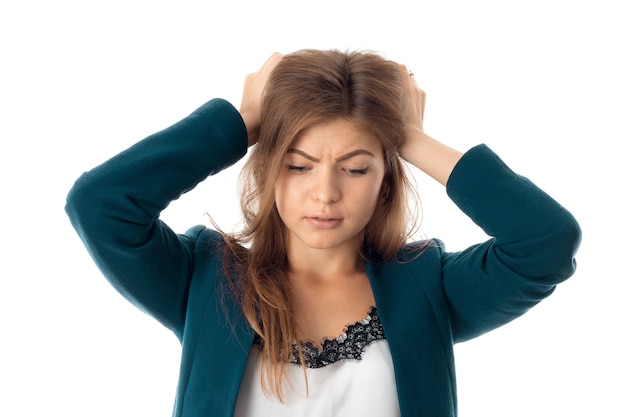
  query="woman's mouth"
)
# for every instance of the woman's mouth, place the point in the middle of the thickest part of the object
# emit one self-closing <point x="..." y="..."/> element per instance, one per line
<point x="323" y="221"/>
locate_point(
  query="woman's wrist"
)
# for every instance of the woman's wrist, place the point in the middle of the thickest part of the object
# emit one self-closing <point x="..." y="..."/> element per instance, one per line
<point x="430" y="156"/>
<point x="252" y="127"/>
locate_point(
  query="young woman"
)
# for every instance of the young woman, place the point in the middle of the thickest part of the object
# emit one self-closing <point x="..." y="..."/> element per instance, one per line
<point x="320" y="306"/>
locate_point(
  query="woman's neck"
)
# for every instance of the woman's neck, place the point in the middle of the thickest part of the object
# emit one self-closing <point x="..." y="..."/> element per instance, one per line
<point x="330" y="290"/>
<point x="324" y="264"/>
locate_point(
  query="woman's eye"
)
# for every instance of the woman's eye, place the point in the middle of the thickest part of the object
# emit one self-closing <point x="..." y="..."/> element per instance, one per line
<point x="298" y="169"/>
<point x="357" y="172"/>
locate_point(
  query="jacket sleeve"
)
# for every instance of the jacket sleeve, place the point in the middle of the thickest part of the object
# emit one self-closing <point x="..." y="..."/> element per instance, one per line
<point x="534" y="240"/>
<point x="115" y="207"/>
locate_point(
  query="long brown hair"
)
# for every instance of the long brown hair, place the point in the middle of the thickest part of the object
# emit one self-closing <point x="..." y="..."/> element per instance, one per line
<point x="307" y="88"/>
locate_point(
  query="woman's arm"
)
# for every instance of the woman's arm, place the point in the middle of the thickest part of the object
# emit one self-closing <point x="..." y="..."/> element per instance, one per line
<point x="534" y="239"/>
<point x="115" y="207"/>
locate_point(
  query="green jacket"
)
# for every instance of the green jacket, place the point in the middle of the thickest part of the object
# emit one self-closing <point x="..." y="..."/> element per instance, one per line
<point x="177" y="279"/>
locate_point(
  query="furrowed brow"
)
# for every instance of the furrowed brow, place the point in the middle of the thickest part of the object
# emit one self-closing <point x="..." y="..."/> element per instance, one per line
<point x="354" y="153"/>
<point x="339" y="159"/>
<point x="303" y="154"/>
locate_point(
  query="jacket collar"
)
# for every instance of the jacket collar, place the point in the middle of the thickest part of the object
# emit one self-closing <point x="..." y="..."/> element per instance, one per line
<point x="414" y="324"/>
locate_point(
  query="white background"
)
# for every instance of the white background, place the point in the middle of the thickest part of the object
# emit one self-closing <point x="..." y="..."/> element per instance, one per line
<point x="541" y="82"/>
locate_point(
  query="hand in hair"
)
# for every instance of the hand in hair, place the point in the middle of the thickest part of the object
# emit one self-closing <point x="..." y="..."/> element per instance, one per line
<point x="434" y="158"/>
<point x="415" y="100"/>
<point x="253" y="88"/>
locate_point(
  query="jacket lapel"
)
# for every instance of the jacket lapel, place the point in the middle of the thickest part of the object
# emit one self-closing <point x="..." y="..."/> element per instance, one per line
<point x="414" y="317"/>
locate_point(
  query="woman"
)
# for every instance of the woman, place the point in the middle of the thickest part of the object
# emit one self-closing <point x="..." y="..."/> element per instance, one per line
<point x="320" y="306"/>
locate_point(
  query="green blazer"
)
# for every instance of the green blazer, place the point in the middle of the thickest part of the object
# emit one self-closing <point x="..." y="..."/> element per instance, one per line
<point x="177" y="278"/>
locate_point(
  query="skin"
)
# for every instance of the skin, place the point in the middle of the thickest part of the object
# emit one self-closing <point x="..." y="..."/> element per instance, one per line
<point x="325" y="206"/>
<point x="432" y="157"/>
<point x="327" y="191"/>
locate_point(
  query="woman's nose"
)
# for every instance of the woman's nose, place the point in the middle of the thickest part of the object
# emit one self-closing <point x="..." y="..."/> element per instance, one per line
<point x="326" y="188"/>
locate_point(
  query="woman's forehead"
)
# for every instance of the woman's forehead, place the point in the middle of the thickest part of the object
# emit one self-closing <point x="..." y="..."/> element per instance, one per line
<point x="337" y="136"/>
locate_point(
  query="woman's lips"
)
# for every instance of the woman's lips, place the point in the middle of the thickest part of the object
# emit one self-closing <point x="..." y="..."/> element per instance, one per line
<point x="323" y="222"/>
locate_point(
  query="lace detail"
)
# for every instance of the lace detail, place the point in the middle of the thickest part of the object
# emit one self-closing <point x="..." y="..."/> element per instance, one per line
<point x="350" y="345"/>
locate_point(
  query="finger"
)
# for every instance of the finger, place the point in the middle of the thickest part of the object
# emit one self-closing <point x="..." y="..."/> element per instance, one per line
<point x="270" y="63"/>
<point x="404" y="72"/>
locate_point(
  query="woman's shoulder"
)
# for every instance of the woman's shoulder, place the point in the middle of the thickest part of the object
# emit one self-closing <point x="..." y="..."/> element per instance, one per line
<point x="214" y="244"/>
<point x="424" y="249"/>
<point x="206" y="235"/>
<point x="205" y="238"/>
<point x="420" y="259"/>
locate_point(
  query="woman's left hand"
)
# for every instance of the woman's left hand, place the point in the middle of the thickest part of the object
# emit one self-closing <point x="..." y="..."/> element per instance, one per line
<point x="415" y="105"/>
<point x="434" y="158"/>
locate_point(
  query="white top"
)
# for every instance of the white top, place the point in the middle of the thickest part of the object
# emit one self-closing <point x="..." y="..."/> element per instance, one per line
<point x="362" y="387"/>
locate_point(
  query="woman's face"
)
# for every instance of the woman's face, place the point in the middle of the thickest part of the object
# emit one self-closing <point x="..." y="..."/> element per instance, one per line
<point x="329" y="185"/>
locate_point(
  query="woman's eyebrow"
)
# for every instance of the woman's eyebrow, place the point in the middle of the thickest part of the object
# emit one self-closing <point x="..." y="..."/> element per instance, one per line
<point x="339" y="159"/>
<point x="304" y="154"/>
<point x="354" y="153"/>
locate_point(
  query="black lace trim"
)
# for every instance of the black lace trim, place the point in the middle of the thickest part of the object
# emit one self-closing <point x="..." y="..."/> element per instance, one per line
<point x="349" y="346"/>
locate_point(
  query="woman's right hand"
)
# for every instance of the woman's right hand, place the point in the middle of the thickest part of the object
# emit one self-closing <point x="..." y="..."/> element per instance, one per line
<point x="253" y="88"/>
